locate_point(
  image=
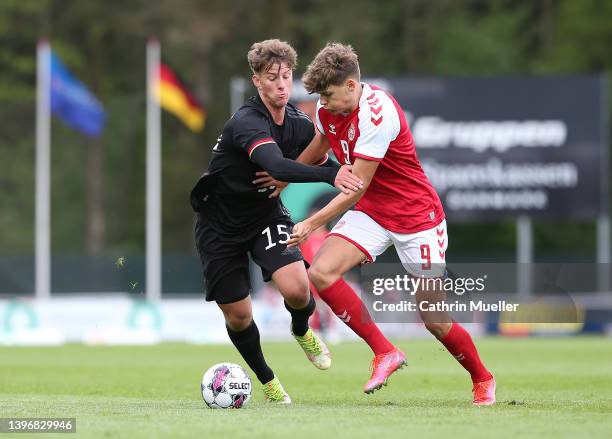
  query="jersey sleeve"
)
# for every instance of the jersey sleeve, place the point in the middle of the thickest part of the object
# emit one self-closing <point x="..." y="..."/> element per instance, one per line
<point x="251" y="131"/>
<point x="270" y="158"/>
<point x="379" y="125"/>
<point x="318" y="123"/>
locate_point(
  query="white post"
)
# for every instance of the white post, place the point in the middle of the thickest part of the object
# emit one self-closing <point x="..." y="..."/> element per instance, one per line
<point x="238" y="87"/>
<point x="43" y="171"/>
<point x="153" y="184"/>
<point x="524" y="255"/>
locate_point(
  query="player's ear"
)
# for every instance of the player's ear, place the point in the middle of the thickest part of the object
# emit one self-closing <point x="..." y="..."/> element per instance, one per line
<point x="351" y="84"/>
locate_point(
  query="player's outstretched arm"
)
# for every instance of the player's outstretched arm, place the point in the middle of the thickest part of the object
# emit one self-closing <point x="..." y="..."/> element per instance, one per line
<point x="270" y="158"/>
<point x="314" y="154"/>
<point x="365" y="169"/>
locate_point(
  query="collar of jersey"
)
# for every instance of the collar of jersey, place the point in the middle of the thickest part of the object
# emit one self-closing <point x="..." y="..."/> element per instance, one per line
<point x="262" y="107"/>
<point x="366" y="91"/>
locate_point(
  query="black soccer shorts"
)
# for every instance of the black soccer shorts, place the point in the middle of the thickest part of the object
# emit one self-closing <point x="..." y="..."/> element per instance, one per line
<point x="225" y="262"/>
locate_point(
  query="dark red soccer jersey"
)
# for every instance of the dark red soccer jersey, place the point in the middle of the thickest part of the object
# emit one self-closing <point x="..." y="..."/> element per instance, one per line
<point x="400" y="197"/>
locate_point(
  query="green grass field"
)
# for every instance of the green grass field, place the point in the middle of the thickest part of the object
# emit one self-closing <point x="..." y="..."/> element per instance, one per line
<point x="546" y="388"/>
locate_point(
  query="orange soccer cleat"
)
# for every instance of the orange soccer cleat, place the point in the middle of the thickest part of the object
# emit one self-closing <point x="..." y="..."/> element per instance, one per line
<point x="484" y="392"/>
<point x="383" y="365"/>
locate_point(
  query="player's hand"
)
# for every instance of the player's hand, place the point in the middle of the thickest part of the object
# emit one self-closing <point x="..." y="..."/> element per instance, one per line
<point x="301" y="232"/>
<point x="265" y="180"/>
<point x="279" y="188"/>
<point x="346" y="181"/>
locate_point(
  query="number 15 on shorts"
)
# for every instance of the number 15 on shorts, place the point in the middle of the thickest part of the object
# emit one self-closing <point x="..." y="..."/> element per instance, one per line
<point x="281" y="229"/>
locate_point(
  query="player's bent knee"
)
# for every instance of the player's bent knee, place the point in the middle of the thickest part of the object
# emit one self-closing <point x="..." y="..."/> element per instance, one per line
<point x="321" y="277"/>
<point x="238" y="321"/>
<point x="297" y="297"/>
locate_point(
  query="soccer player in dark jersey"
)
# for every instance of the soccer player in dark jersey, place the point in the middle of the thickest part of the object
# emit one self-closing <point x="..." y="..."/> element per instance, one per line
<point x="236" y="217"/>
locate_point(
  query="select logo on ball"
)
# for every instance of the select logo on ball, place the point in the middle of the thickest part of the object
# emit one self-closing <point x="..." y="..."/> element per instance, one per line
<point x="225" y="386"/>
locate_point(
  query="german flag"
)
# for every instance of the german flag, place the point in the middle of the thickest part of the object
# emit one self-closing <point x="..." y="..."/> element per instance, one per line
<point x="174" y="97"/>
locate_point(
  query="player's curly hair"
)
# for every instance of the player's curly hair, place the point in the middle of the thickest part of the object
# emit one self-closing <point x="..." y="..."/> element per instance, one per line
<point x="264" y="54"/>
<point x="333" y="65"/>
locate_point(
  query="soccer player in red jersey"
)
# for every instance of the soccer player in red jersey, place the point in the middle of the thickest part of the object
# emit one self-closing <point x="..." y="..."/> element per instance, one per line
<point x="365" y="127"/>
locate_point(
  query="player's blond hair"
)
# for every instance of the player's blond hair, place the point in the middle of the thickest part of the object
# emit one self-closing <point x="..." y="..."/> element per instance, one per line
<point x="333" y="65"/>
<point x="265" y="54"/>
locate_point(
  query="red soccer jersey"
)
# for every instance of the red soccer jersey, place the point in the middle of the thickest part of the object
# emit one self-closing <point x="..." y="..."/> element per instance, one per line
<point x="400" y="197"/>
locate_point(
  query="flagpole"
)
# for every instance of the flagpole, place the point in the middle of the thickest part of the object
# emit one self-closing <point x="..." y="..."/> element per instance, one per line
<point x="43" y="172"/>
<point x="153" y="184"/>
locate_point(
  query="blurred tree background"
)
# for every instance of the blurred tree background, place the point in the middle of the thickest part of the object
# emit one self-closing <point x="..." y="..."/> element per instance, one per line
<point x="103" y="43"/>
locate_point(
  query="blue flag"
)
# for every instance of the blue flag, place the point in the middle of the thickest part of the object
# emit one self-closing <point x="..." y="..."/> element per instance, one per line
<point x="73" y="103"/>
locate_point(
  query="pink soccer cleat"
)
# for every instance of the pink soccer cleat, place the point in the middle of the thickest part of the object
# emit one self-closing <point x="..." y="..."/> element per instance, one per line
<point x="383" y="366"/>
<point x="484" y="392"/>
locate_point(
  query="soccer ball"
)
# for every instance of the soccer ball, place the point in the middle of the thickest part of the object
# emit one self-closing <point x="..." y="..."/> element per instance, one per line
<point x="226" y="386"/>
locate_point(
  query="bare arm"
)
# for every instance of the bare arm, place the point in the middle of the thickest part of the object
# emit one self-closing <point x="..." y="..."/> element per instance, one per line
<point x="365" y="170"/>
<point x="316" y="149"/>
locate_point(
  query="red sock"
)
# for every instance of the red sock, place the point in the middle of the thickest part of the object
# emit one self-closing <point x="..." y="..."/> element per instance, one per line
<point x="460" y="345"/>
<point x="347" y="305"/>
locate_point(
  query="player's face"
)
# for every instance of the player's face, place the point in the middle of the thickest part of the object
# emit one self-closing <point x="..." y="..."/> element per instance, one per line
<point x="275" y="84"/>
<point x="340" y="98"/>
